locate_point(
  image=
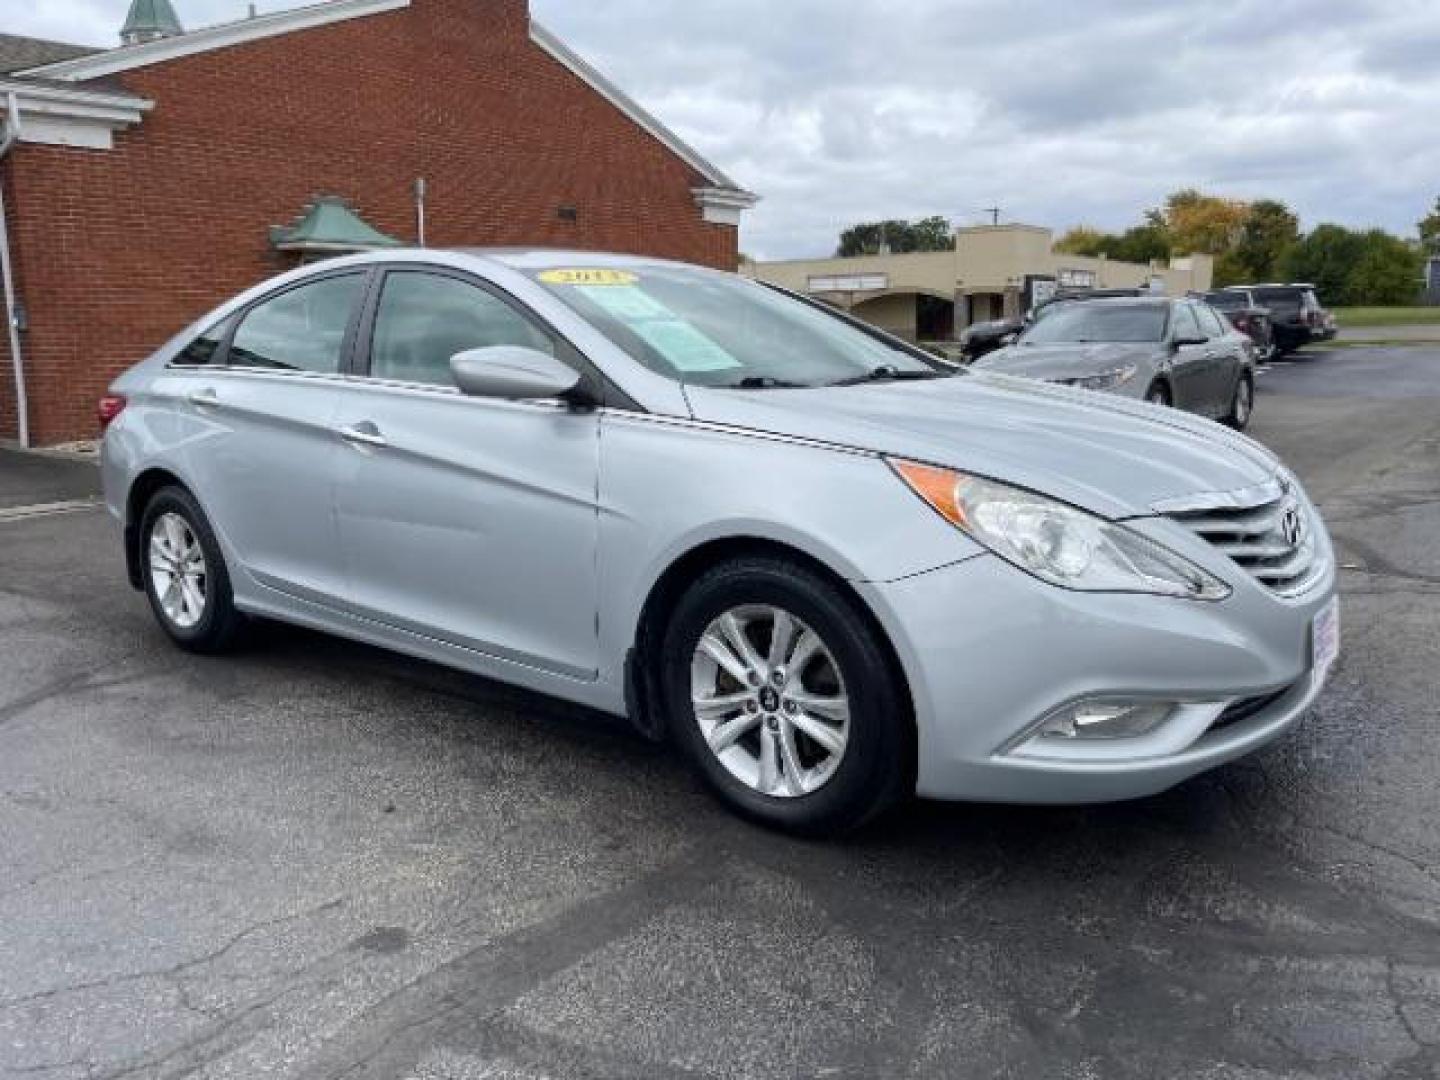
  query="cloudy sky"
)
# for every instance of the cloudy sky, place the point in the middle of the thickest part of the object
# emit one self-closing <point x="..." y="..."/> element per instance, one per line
<point x="1057" y="111"/>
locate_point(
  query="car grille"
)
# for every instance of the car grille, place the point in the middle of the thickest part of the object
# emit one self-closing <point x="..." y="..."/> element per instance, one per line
<point x="1270" y="534"/>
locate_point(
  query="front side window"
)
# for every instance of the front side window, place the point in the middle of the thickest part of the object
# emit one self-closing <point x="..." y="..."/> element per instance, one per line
<point x="712" y="329"/>
<point x="1210" y="322"/>
<point x="424" y="319"/>
<point x="1187" y="327"/>
<point x="1098" y="321"/>
<point x="302" y="329"/>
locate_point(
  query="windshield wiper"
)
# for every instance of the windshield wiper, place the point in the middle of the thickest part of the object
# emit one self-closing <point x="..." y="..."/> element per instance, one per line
<point x="762" y="382"/>
<point x="889" y="373"/>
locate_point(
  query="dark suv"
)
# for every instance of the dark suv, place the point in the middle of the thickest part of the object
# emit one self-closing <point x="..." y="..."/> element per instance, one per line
<point x="1295" y="314"/>
<point x="1247" y="315"/>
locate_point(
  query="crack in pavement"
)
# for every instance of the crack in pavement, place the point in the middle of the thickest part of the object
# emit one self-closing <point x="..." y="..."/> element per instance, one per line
<point x="479" y="984"/>
<point x="172" y="972"/>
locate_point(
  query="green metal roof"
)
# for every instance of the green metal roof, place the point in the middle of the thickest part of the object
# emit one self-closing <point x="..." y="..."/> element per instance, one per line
<point x="150" y="19"/>
<point x="329" y="225"/>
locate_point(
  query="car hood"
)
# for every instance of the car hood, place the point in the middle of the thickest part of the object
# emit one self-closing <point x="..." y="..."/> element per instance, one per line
<point x="1065" y="361"/>
<point x="1110" y="455"/>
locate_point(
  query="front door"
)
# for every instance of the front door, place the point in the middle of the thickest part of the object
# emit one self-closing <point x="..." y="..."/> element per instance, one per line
<point x="468" y="520"/>
<point x="1191" y="368"/>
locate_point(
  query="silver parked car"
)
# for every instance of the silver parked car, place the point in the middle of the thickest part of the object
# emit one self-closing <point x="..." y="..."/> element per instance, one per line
<point x="1168" y="352"/>
<point x="832" y="571"/>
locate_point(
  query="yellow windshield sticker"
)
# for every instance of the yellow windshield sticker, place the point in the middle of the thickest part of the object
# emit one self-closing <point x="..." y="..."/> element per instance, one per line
<point x="589" y="276"/>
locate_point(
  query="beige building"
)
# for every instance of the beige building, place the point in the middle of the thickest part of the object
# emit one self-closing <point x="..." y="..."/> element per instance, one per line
<point x="994" y="272"/>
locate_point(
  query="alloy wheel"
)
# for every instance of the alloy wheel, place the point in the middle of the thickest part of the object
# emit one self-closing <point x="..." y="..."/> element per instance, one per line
<point x="177" y="570"/>
<point x="770" y="701"/>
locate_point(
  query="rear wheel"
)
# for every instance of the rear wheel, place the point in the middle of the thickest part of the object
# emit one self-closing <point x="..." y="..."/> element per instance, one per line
<point x="1158" y="394"/>
<point x="184" y="573"/>
<point x="1243" y="404"/>
<point x="783" y="699"/>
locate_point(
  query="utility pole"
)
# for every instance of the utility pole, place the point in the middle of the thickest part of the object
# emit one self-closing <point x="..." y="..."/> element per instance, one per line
<point x="994" y="212"/>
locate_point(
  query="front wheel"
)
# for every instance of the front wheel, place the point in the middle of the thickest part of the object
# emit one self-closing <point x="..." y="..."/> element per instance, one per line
<point x="185" y="577"/>
<point x="1158" y="394"/>
<point x="783" y="699"/>
<point x="1243" y="404"/>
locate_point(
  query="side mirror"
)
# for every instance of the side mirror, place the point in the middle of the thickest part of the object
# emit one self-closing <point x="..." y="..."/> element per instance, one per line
<point x="1182" y="342"/>
<point x="512" y="372"/>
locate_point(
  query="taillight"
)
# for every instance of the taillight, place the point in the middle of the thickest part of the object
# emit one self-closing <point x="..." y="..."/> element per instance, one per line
<point x="110" y="406"/>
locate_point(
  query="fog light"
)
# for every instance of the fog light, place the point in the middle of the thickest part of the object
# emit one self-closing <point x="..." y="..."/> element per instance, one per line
<point x="1106" y="720"/>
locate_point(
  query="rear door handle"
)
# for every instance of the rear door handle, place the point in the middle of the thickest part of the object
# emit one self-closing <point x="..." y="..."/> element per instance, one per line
<point x="363" y="434"/>
<point x="206" y="399"/>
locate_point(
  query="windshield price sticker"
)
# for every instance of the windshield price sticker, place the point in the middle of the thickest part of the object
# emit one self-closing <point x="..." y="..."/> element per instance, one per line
<point x="590" y="276"/>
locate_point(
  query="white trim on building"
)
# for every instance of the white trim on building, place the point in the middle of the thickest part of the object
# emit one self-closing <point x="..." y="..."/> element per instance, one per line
<point x="206" y="39"/>
<point x="709" y="199"/>
<point x="58" y="115"/>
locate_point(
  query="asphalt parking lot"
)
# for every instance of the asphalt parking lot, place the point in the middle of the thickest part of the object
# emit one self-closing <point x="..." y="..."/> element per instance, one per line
<point x="319" y="860"/>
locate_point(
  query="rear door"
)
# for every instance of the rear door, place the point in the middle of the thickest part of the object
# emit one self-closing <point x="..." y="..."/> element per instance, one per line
<point x="262" y="451"/>
<point x="468" y="520"/>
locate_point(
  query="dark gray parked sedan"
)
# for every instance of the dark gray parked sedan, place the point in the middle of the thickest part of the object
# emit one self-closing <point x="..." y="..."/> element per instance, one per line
<point x="1168" y="352"/>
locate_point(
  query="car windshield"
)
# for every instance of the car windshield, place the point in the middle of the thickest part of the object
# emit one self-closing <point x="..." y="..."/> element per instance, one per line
<point x="1086" y="322"/>
<point x="712" y="329"/>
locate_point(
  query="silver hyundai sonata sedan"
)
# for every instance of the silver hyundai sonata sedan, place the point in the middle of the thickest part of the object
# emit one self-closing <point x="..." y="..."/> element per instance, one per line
<point x="831" y="571"/>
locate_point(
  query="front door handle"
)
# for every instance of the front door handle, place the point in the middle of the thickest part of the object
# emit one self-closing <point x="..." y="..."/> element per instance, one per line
<point x="363" y="434"/>
<point x="206" y="399"/>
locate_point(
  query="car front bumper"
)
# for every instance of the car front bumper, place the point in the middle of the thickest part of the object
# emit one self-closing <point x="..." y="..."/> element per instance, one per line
<point x="990" y="652"/>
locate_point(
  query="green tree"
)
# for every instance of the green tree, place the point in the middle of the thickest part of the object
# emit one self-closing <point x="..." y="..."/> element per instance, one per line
<point x="932" y="234"/>
<point x="1230" y="270"/>
<point x="1142" y="244"/>
<point x="1083" y="240"/>
<point x="1325" y="258"/>
<point x="1386" y="272"/>
<point x="902" y="237"/>
<point x="1430" y="231"/>
<point x="1270" y="229"/>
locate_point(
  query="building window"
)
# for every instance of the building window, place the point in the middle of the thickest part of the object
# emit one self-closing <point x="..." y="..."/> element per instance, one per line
<point x="849" y="283"/>
<point x="1076" y="279"/>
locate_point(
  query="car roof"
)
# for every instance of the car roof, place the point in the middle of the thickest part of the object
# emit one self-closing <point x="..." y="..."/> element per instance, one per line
<point x="1119" y="301"/>
<point x="534" y="258"/>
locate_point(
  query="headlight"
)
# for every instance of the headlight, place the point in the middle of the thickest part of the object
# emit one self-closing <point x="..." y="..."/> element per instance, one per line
<point x="1055" y="542"/>
<point x="1107" y="381"/>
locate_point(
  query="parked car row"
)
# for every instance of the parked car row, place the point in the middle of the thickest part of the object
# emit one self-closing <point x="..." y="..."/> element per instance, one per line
<point x="1278" y="318"/>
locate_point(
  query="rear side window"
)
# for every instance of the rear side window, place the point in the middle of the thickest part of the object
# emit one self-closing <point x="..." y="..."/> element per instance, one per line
<point x="1281" y="297"/>
<point x="302" y="329"/>
<point x="202" y="350"/>
<point x="424" y="319"/>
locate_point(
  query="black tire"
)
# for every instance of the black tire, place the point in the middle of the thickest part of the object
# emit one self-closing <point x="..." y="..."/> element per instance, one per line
<point x="219" y="625"/>
<point x="1159" y="394"/>
<point x="873" y="772"/>
<point x="1242" y="405"/>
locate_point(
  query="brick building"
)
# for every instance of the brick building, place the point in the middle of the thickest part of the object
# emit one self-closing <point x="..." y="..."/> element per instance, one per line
<point x="144" y="184"/>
